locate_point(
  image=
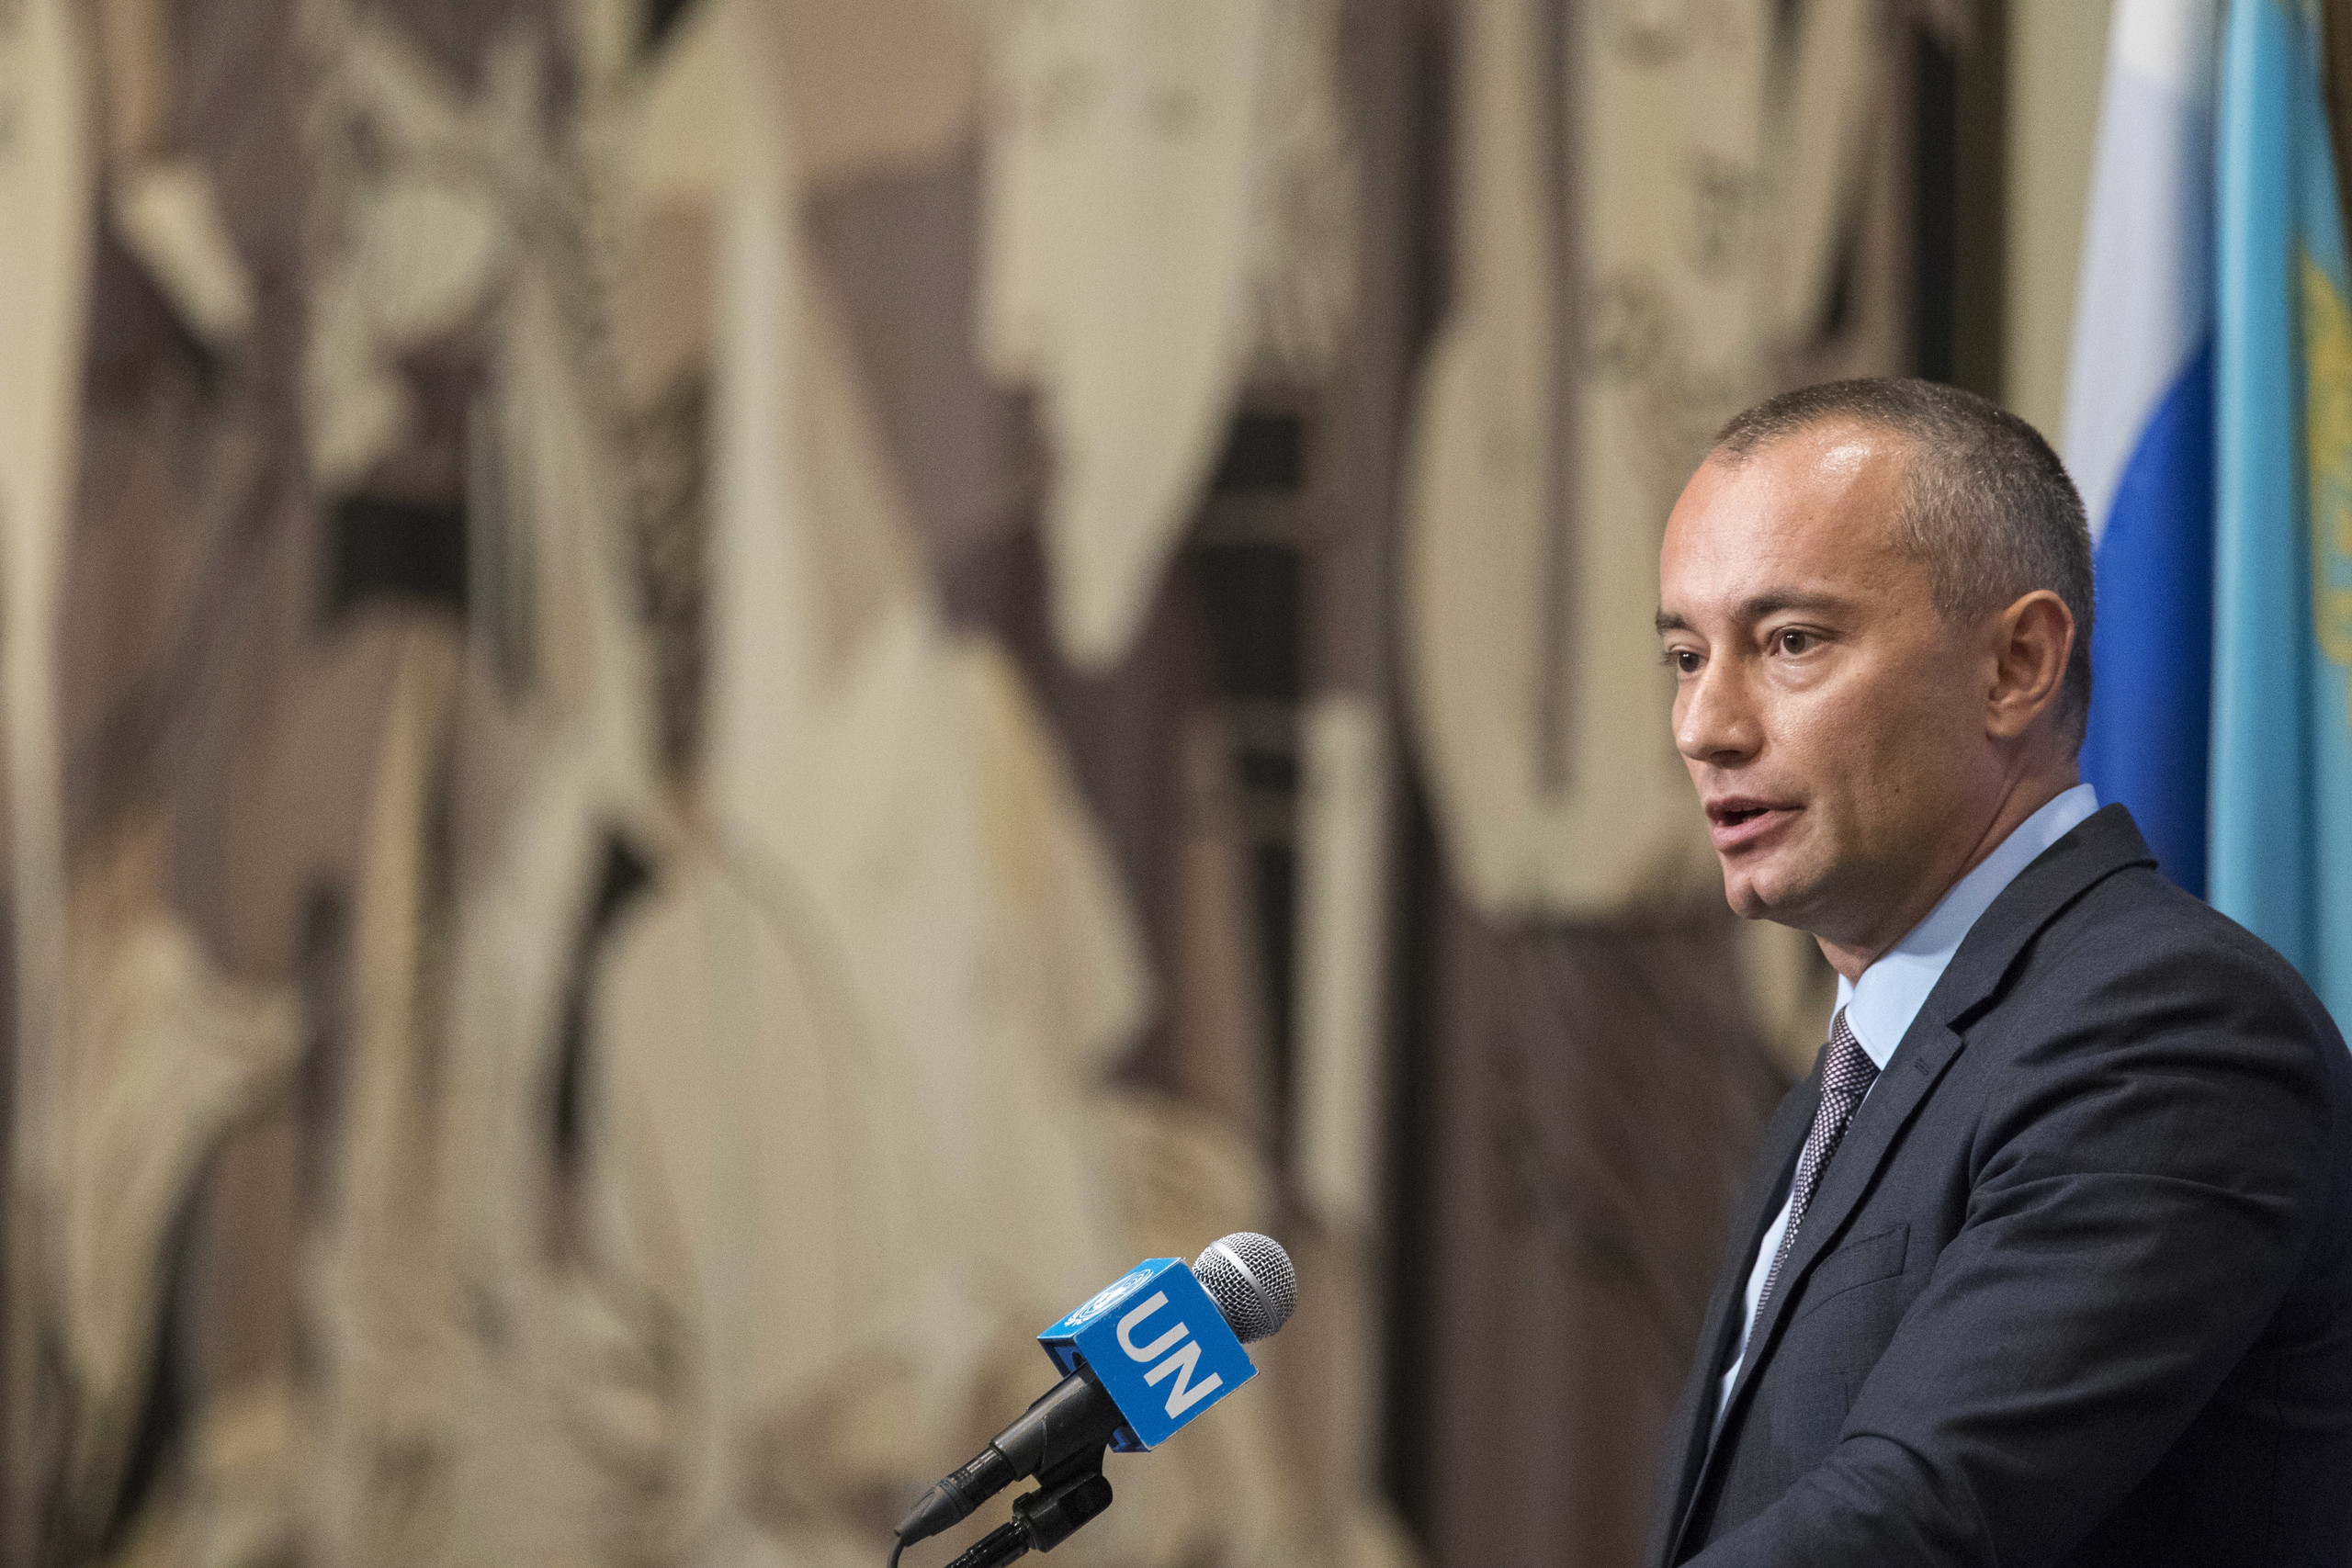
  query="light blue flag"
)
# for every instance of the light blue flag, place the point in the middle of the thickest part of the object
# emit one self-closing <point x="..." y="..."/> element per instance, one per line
<point x="2281" y="825"/>
<point x="2140" y="423"/>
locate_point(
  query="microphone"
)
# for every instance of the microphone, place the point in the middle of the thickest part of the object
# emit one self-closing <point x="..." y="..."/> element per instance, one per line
<point x="1143" y="1358"/>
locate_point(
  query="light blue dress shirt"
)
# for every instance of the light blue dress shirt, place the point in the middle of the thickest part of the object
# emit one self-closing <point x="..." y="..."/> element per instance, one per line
<point x="1881" y="1004"/>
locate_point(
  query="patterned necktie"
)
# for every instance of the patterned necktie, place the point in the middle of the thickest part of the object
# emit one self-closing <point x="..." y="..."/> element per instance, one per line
<point x="1846" y="1074"/>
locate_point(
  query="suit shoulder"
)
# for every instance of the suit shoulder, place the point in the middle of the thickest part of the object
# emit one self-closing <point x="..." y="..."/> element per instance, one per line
<point x="2135" y="934"/>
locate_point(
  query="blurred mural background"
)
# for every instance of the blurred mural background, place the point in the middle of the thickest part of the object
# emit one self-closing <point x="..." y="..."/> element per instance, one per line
<point x="709" y="701"/>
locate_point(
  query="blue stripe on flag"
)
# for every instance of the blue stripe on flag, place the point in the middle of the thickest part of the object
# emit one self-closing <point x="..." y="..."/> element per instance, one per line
<point x="2152" y="638"/>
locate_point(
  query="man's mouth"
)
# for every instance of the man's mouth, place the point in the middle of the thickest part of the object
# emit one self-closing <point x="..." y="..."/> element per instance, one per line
<point x="1736" y="823"/>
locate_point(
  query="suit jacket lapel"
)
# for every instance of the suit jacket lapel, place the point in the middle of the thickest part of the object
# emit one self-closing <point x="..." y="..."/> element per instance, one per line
<point x="1927" y="1049"/>
<point x="2105" y="844"/>
<point x="1768" y="1185"/>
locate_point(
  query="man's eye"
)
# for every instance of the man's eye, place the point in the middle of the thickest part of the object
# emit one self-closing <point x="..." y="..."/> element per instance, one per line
<point x="1683" y="661"/>
<point x="1793" y="640"/>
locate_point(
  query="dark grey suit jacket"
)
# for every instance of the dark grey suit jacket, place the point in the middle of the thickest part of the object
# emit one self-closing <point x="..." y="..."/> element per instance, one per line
<point x="2077" y="1286"/>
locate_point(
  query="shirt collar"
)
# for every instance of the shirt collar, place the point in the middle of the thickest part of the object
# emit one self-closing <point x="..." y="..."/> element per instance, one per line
<point x="1881" y="1006"/>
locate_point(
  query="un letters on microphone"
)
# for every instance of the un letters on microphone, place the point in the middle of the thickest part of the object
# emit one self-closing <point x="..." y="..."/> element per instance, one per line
<point x="1162" y="1350"/>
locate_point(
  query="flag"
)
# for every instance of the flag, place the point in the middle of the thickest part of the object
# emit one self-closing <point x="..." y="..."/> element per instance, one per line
<point x="2281" y="819"/>
<point x="2140" y="424"/>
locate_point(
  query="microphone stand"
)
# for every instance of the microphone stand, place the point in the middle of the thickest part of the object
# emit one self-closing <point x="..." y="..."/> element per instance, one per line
<point x="1067" y="1497"/>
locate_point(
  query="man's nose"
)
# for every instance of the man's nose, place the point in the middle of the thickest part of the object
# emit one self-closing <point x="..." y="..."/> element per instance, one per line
<point x="1714" y="721"/>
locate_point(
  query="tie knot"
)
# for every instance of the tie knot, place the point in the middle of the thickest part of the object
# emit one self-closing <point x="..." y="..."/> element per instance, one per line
<point x="1847" y="1071"/>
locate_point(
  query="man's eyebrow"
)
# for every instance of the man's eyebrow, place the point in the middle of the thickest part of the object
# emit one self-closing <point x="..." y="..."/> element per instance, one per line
<point x="1776" y="602"/>
<point x="1782" y="600"/>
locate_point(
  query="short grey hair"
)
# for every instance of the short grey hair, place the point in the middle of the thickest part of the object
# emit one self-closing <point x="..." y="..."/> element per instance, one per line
<point x="1989" y="508"/>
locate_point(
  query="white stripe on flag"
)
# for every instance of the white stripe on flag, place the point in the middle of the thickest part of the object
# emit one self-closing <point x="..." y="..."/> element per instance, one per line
<point x="2143" y="301"/>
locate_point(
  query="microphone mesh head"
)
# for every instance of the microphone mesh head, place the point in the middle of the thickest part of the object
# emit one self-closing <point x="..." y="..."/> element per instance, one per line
<point x="1250" y="1279"/>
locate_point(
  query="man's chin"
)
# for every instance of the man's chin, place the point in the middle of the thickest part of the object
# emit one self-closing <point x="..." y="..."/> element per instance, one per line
<point x="1754" y="893"/>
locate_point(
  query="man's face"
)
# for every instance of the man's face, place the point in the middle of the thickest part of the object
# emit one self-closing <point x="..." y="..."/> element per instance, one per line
<point x="1831" y="718"/>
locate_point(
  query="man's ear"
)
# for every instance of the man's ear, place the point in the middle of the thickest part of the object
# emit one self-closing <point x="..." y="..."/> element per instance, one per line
<point x="2034" y="638"/>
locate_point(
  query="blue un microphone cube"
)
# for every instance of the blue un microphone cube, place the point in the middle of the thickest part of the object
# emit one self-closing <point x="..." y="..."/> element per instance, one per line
<point x="1160" y="1347"/>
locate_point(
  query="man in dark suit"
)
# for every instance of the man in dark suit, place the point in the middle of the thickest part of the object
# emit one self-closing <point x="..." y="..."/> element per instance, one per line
<point x="2049" y="1261"/>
